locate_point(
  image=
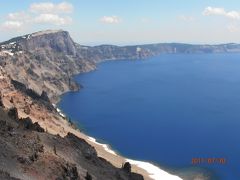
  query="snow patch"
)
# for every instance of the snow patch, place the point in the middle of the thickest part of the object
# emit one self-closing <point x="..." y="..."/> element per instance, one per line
<point x="105" y="146"/>
<point x="138" y="49"/>
<point x="154" y="171"/>
<point x="60" y="112"/>
<point x="7" y="52"/>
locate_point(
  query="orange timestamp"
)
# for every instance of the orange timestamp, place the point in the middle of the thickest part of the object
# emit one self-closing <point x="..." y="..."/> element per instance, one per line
<point x="196" y="161"/>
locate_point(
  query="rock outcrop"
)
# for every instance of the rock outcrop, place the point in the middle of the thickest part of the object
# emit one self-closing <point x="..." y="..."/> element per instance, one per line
<point x="127" y="167"/>
<point x="28" y="124"/>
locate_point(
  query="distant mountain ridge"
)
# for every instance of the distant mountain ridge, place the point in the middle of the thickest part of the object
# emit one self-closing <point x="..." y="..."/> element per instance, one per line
<point x="47" y="60"/>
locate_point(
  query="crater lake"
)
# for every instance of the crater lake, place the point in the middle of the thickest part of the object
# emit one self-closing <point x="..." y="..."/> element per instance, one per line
<point x="167" y="110"/>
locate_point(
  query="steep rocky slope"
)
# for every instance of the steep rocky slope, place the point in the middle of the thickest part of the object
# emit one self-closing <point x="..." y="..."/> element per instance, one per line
<point x="27" y="152"/>
<point x="37" y="142"/>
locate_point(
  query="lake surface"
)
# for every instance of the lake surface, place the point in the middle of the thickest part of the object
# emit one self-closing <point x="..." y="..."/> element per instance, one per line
<point x="167" y="109"/>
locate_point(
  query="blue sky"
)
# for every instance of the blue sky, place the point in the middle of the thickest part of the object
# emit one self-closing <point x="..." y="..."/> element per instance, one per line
<point x="121" y="22"/>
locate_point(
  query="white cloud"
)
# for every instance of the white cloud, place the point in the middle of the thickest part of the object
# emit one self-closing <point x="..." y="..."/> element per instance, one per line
<point x="48" y="7"/>
<point x="186" y="18"/>
<point x="16" y="15"/>
<point x="221" y="12"/>
<point x="213" y="11"/>
<point x="19" y="16"/>
<point x="12" y="25"/>
<point x="233" y="15"/>
<point x="110" y="19"/>
<point x="52" y="19"/>
<point x="39" y="13"/>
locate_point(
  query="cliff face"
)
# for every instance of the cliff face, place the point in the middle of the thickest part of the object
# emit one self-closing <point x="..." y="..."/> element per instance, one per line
<point x="54" y="41"/>
<point x="44" y="61"/>
<point x="47" y="60"/>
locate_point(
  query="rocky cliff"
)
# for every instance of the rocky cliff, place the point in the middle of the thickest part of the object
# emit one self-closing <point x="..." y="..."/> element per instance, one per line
<point x="44" y="61"/>
<point x="47" y="60"/>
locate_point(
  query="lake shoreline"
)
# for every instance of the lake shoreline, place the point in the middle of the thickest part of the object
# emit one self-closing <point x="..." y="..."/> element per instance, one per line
<point x="147" y="169"/>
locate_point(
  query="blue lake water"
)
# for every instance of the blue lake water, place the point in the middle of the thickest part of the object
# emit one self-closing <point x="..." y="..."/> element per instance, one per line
<point x="167" y="109"/>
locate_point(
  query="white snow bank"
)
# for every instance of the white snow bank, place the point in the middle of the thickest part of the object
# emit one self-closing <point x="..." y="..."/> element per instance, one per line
<point x="8" y="52"/>
<point x="60" y="112"/>
<point x="154" y="171"/>
<point x="105" y="146"/>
